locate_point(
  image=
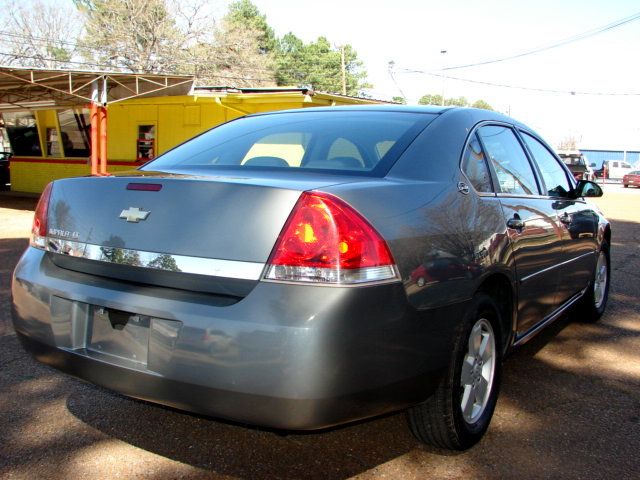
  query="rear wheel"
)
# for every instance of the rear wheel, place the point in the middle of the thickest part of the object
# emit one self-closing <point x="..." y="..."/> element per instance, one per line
<point x="594" y="302"/>
<point x="625" y="185"/>
<point x="459" y="412"/>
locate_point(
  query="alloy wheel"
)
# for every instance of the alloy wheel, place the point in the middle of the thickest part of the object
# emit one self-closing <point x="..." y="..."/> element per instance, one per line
<point x="478" y="371"/>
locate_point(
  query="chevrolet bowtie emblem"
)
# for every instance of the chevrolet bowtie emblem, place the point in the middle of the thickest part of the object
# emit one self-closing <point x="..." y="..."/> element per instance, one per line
<point x="134" y="214"/>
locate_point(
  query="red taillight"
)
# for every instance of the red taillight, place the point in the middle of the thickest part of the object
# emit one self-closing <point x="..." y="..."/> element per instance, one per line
<point x="39" y="228"/>
<point x="325" y="240"/>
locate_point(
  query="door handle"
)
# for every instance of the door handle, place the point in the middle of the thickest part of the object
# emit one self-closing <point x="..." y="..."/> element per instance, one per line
<point x="516" y="222"/>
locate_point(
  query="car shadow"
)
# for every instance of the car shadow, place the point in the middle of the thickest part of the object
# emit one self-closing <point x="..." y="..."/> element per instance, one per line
<point x="244" y="451"/>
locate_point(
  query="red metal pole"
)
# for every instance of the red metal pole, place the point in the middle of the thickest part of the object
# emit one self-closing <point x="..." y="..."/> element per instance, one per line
<point x="103" y="140"/>
<point x="95" y="140"/>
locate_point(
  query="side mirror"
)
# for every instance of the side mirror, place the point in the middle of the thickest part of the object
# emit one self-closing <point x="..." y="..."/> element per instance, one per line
<point x="586" y="188"/>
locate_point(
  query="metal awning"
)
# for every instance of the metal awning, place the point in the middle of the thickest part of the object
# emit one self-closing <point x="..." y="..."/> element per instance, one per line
<point x="31" y="88"/>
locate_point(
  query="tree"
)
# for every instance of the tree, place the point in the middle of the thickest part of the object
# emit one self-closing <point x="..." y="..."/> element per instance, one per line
<point x="430" y="100"/>
<point x="236" y="55"/>
<point x="132" y="35"/>
<point x="568" y="143"/>
<point x="457" y="102"/>
<point x="245" y="13"/>
<point x="38" y="34"/>
<point x="398" y="99"/>
<point x="235" y="58"/>
<point x="318" y="65"/>
<point x="482" y="104"/>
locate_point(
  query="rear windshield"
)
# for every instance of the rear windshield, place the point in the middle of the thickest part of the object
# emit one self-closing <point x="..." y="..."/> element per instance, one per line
<point x="339" y="141"/>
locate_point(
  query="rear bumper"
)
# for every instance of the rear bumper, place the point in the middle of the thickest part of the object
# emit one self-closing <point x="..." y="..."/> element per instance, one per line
<point x="292" y="357"/>
<point x="272" y="412"/>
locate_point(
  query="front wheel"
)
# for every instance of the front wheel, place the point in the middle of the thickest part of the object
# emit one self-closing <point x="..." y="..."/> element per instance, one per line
<point x="594" y="302"/>
<point x="459" y="412"/>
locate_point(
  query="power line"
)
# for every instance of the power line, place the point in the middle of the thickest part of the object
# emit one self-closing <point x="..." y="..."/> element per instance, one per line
<point x="520" y="87"/>
<point x="560" y="43"/>
<point x="191" y="63"/>
<point x="75" y="45"/>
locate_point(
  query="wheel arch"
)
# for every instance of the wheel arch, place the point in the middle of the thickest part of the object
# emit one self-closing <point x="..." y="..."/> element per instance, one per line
<point x="607" y="235"/>
<point x="500" y="288"/>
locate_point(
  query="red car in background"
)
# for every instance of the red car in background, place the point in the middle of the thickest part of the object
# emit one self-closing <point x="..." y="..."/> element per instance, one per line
<point x="631" y="178"/>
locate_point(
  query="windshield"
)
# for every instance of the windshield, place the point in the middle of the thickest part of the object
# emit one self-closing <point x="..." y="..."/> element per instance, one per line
<point x="342" y="141"/>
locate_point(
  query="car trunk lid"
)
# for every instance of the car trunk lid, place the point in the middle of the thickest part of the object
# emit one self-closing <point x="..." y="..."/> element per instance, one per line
<point x="179" y="231"/>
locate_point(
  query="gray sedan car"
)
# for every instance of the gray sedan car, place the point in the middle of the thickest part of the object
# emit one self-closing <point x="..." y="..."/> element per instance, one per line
<point x="303" y="269"/>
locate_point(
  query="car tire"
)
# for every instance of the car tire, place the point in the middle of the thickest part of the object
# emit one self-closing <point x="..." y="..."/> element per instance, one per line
<point x="594" y="301"/>
<point x="454" y="417"/>
<point x="625" y="185"/>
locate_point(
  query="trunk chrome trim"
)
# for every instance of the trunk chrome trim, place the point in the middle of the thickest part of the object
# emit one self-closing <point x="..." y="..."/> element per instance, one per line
<point x="566" y="262"/>
<point x="159" y="261"/>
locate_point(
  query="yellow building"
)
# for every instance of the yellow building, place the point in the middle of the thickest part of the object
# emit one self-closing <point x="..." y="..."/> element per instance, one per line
<point x="50" y="133"/>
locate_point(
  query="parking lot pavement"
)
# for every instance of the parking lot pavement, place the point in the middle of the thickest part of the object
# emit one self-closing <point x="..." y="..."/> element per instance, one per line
<point x="569" y="406"/>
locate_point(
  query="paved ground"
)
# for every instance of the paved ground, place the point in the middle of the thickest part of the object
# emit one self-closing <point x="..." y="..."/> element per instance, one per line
<point x="569" y="407"/>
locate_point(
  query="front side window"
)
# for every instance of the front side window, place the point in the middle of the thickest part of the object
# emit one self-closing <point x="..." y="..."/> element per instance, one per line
<point x="553" y="174"/>
<point x="514" y="172"/>
<point x="475" y="167"/>
<point x="351" y="141"/>
<point x="23" y="133"/>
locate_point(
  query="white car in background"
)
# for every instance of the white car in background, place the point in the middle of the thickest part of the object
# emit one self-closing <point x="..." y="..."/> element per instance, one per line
<point x="617" y="169"/>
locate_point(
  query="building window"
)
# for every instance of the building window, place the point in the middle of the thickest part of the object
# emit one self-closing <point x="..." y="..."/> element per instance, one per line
<point x="75" y="128"/>
<point x="53" y="146"/>
<point x="23" y="133"/>
<point x="146" y="145"/>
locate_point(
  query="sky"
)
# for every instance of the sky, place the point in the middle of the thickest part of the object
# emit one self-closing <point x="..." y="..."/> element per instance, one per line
<point x="412" y="33"/>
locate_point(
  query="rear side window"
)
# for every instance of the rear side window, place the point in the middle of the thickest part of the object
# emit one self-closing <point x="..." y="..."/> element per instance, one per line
<point x="474" y="166"/>
<point x="340" y="140"/>
<point x="513" y="170"/>
<point x="553" y="174"/>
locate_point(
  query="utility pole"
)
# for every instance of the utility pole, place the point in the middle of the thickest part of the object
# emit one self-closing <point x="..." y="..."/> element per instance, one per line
<point x="442" y="53"/>
<point x="344" y="71"/>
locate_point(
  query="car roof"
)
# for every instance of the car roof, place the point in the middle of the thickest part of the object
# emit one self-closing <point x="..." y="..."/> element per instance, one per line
<point x="365" y="108"/>
<point x="476" y="113"/>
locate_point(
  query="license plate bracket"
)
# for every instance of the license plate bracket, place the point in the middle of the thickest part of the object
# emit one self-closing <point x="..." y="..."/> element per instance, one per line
<point x="120" y="334"/>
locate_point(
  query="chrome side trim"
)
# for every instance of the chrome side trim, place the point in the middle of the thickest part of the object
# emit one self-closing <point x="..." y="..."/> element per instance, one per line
<point x="159" y="261"/>
<point x="529" y="334"/>
<point x="566" y="262"/>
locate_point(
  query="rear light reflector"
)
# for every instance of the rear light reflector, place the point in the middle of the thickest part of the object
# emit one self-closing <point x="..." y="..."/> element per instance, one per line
<point x="39" y="228"/>
<point x="327" y="241"/>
